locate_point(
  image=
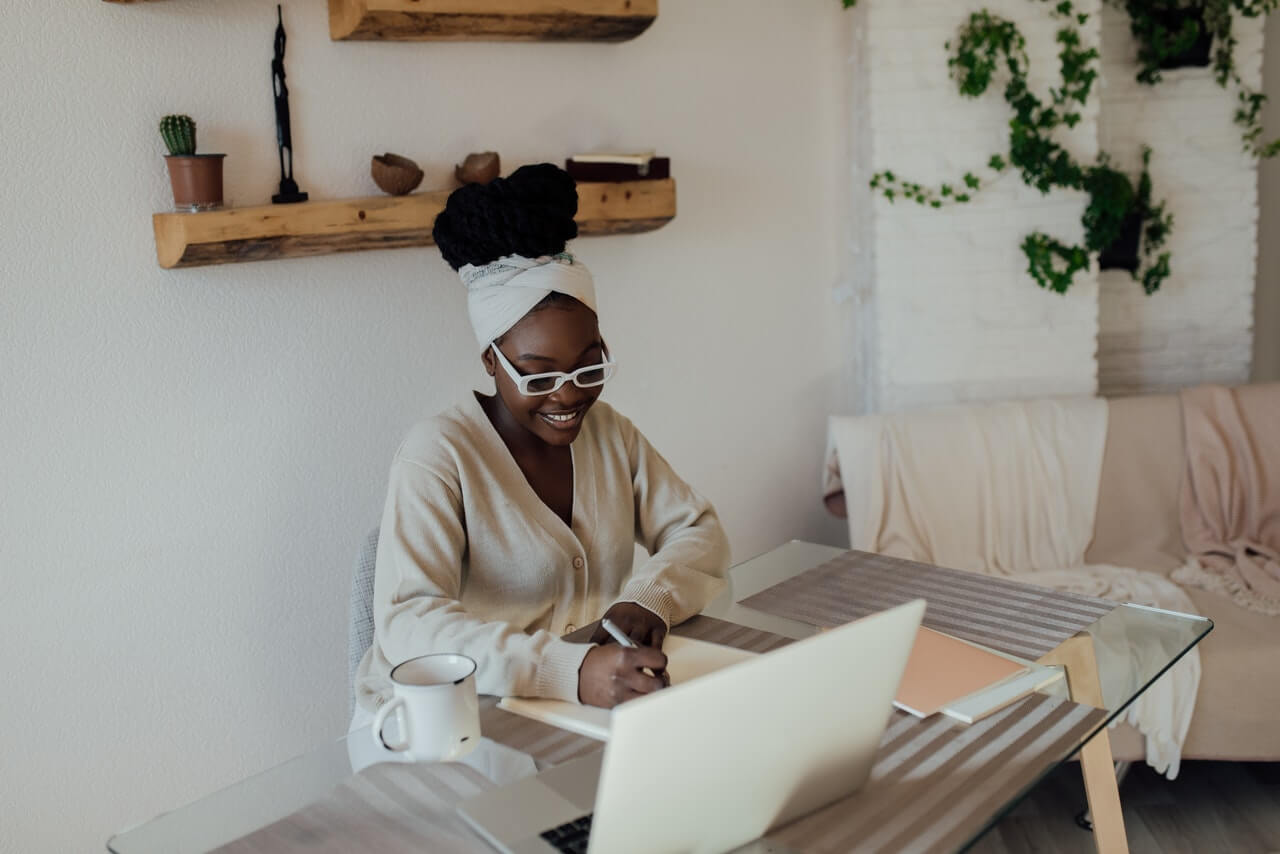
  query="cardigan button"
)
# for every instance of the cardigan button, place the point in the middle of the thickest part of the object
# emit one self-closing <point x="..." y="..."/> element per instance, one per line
<point x="578" y="562"/>
<point x="570" y="629"/>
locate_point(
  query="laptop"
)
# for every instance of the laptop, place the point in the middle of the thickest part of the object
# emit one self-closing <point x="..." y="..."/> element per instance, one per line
<point x="712" y="764"/>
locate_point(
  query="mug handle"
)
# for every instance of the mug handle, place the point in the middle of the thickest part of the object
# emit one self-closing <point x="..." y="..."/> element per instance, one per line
<point x="395" y="704"/>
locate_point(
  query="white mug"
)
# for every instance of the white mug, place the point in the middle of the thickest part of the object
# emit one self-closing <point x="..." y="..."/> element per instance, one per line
<point x="436" y="708"/>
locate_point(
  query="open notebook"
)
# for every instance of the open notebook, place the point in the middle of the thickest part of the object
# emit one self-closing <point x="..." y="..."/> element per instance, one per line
<point x="687" y="659"/>
<point x="962" y="680"/>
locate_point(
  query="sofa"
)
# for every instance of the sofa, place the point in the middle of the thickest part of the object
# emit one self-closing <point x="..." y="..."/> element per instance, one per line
<point x="1237" y="712"/>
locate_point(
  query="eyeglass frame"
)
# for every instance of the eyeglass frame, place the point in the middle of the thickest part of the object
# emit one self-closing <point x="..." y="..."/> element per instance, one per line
<point x="609" y="366"/>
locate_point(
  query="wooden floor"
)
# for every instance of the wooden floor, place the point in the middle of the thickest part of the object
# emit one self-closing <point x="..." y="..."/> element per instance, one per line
<point x="1211" y="807"/>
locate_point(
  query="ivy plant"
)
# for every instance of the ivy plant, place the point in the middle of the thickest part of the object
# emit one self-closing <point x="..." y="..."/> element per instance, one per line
<point x="1168" y="30"/>
<point x="990" y="48"/>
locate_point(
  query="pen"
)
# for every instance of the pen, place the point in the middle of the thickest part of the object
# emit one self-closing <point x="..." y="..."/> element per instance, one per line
<point x="621" y="638"/>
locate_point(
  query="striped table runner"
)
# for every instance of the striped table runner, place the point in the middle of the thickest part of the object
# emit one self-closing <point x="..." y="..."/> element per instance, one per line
<point x="935" y="784"/>
<point x="1019" y="619"/>
<point x="391" y="809"/>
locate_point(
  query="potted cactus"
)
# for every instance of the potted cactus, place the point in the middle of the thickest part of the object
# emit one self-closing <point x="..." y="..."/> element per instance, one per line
<point x="196" y="178"/>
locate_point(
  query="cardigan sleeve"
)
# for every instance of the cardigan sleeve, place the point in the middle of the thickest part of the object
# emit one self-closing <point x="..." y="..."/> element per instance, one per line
<point x="688" y="549"/>
<point x="417" y="585"/>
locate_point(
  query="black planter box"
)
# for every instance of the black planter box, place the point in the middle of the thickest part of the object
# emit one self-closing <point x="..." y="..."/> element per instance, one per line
<point x="1197" y="56"/>
<point x="1122" y="254"/>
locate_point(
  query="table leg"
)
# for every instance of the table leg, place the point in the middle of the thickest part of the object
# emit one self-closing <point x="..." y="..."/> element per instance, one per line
<point x="1076" y="656"/>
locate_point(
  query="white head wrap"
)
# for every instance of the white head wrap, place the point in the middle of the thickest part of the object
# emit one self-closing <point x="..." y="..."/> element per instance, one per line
<point x="503" y="291"/>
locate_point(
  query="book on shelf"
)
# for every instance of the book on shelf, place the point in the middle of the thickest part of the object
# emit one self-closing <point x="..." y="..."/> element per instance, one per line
<point x="618" y="166"/>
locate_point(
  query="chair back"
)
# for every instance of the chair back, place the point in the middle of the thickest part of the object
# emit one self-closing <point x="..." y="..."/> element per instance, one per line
<point x="360" y="613"/>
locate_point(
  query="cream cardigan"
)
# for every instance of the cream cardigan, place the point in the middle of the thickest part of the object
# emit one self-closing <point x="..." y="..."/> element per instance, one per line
<point x="470" y="559"/>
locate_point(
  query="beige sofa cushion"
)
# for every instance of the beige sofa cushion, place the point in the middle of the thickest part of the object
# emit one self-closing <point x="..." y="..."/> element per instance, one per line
<point x="1236" y="713"/>
<point x="1235" y="716"/>
<point x="1138" y="525"/>
<point x="1137" y="517"/>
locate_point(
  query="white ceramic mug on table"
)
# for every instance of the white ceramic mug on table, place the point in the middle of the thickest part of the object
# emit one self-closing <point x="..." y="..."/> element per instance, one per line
<point x="436" y="708"/>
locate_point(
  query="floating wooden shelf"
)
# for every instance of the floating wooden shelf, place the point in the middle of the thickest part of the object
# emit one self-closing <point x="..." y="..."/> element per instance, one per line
<point x="490" y="20"/>
<point x="487" y="20"/>
<point x="379" y="222"/>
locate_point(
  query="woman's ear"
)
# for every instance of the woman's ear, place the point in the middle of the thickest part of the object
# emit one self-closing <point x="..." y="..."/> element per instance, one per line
<point x="490" y="364"/>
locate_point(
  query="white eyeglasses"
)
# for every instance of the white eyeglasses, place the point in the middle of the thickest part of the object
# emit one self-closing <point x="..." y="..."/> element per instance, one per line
<point x="534" y="385"/>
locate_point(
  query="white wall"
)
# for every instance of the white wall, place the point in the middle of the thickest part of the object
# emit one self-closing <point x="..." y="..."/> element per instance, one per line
<point x="189" y="458"/>
<point x="1198" y="327"/>
<point x="953" y="315"/>
<point x="1266" y="317"/>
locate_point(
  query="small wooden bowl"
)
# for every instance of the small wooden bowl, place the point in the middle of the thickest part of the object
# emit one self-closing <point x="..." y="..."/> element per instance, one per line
<point x="395" y="174"/>
<point x="479" y="168"/>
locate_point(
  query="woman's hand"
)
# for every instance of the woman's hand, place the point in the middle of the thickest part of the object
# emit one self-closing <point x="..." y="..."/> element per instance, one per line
<point x="637" y="622"/>
<point x="613" y="674"/>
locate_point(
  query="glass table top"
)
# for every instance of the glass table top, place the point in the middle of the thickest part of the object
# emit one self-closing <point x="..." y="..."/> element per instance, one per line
<point x="1133" y="645"/>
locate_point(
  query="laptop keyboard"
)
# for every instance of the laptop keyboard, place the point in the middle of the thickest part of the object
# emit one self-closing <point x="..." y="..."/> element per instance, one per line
<point x="570" y="838"/>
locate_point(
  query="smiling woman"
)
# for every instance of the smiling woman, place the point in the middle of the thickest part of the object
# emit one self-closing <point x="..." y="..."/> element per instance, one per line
<point x="510" y="519"/>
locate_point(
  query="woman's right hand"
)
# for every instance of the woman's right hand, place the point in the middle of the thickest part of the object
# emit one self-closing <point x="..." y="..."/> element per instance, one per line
<point x="612" y="674"/>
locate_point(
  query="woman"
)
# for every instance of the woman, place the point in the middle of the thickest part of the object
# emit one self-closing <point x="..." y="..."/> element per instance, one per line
<point x="511" y="519"/>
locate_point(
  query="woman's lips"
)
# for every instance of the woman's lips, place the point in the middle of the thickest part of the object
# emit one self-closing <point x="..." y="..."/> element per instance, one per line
<point x="563" y="420"/>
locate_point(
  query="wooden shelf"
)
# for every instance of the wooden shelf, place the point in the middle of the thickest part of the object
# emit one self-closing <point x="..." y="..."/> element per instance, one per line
<point x="265" y="232"/>
<point x="490" y="20"/>
<point x="487" y="20"/>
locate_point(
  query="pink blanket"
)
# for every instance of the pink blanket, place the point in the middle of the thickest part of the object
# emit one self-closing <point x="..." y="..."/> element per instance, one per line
<point x="1231" y="493"/>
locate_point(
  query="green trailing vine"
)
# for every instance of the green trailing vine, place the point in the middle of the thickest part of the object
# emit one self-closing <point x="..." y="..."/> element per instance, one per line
<point x="1168" y="31"/>
<point x="989" y="48"/>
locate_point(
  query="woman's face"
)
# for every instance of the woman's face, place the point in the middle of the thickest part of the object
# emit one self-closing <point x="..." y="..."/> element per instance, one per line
<point x="562" y="337"/>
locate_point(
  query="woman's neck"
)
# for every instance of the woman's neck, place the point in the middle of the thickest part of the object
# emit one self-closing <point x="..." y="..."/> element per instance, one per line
<point x="519" y="441"/>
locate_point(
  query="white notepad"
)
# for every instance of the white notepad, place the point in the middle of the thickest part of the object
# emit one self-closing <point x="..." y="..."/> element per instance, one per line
<point x="687" y="659"/>
<point x="977" y="706"/>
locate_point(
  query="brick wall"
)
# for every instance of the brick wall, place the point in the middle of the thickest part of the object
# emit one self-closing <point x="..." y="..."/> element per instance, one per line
<point x="947" y="311"/>
<point x="956" y="316"/>
<point x="1198" y="326"/>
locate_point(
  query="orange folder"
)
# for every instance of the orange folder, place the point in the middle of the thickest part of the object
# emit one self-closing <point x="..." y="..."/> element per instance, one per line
<point x="943" y="669"/>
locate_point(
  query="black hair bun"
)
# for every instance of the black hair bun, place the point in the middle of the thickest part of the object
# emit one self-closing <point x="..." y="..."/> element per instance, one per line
<point x="529" y="213"/>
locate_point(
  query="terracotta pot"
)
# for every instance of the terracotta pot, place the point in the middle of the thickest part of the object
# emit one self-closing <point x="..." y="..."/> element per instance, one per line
<point x="196" y="179"/>
<point x="395" y="174"/>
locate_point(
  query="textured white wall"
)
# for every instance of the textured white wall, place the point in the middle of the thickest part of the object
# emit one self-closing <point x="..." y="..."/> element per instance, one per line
<point x="956" y="316"/>
<point x="1198" y="326"/>
<point x="1266" y="318"/>
<point x="189" y="458"/>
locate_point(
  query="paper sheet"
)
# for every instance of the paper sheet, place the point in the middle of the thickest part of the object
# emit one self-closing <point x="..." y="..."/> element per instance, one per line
<point x="687" y="659"/>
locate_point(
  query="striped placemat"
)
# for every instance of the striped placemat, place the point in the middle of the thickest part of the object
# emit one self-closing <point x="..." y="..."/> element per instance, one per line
<point x="396" y="808"/>
<point x="935" y="784"/>
<point x="548" y="745"/>
<point x="1014" y="618"/>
